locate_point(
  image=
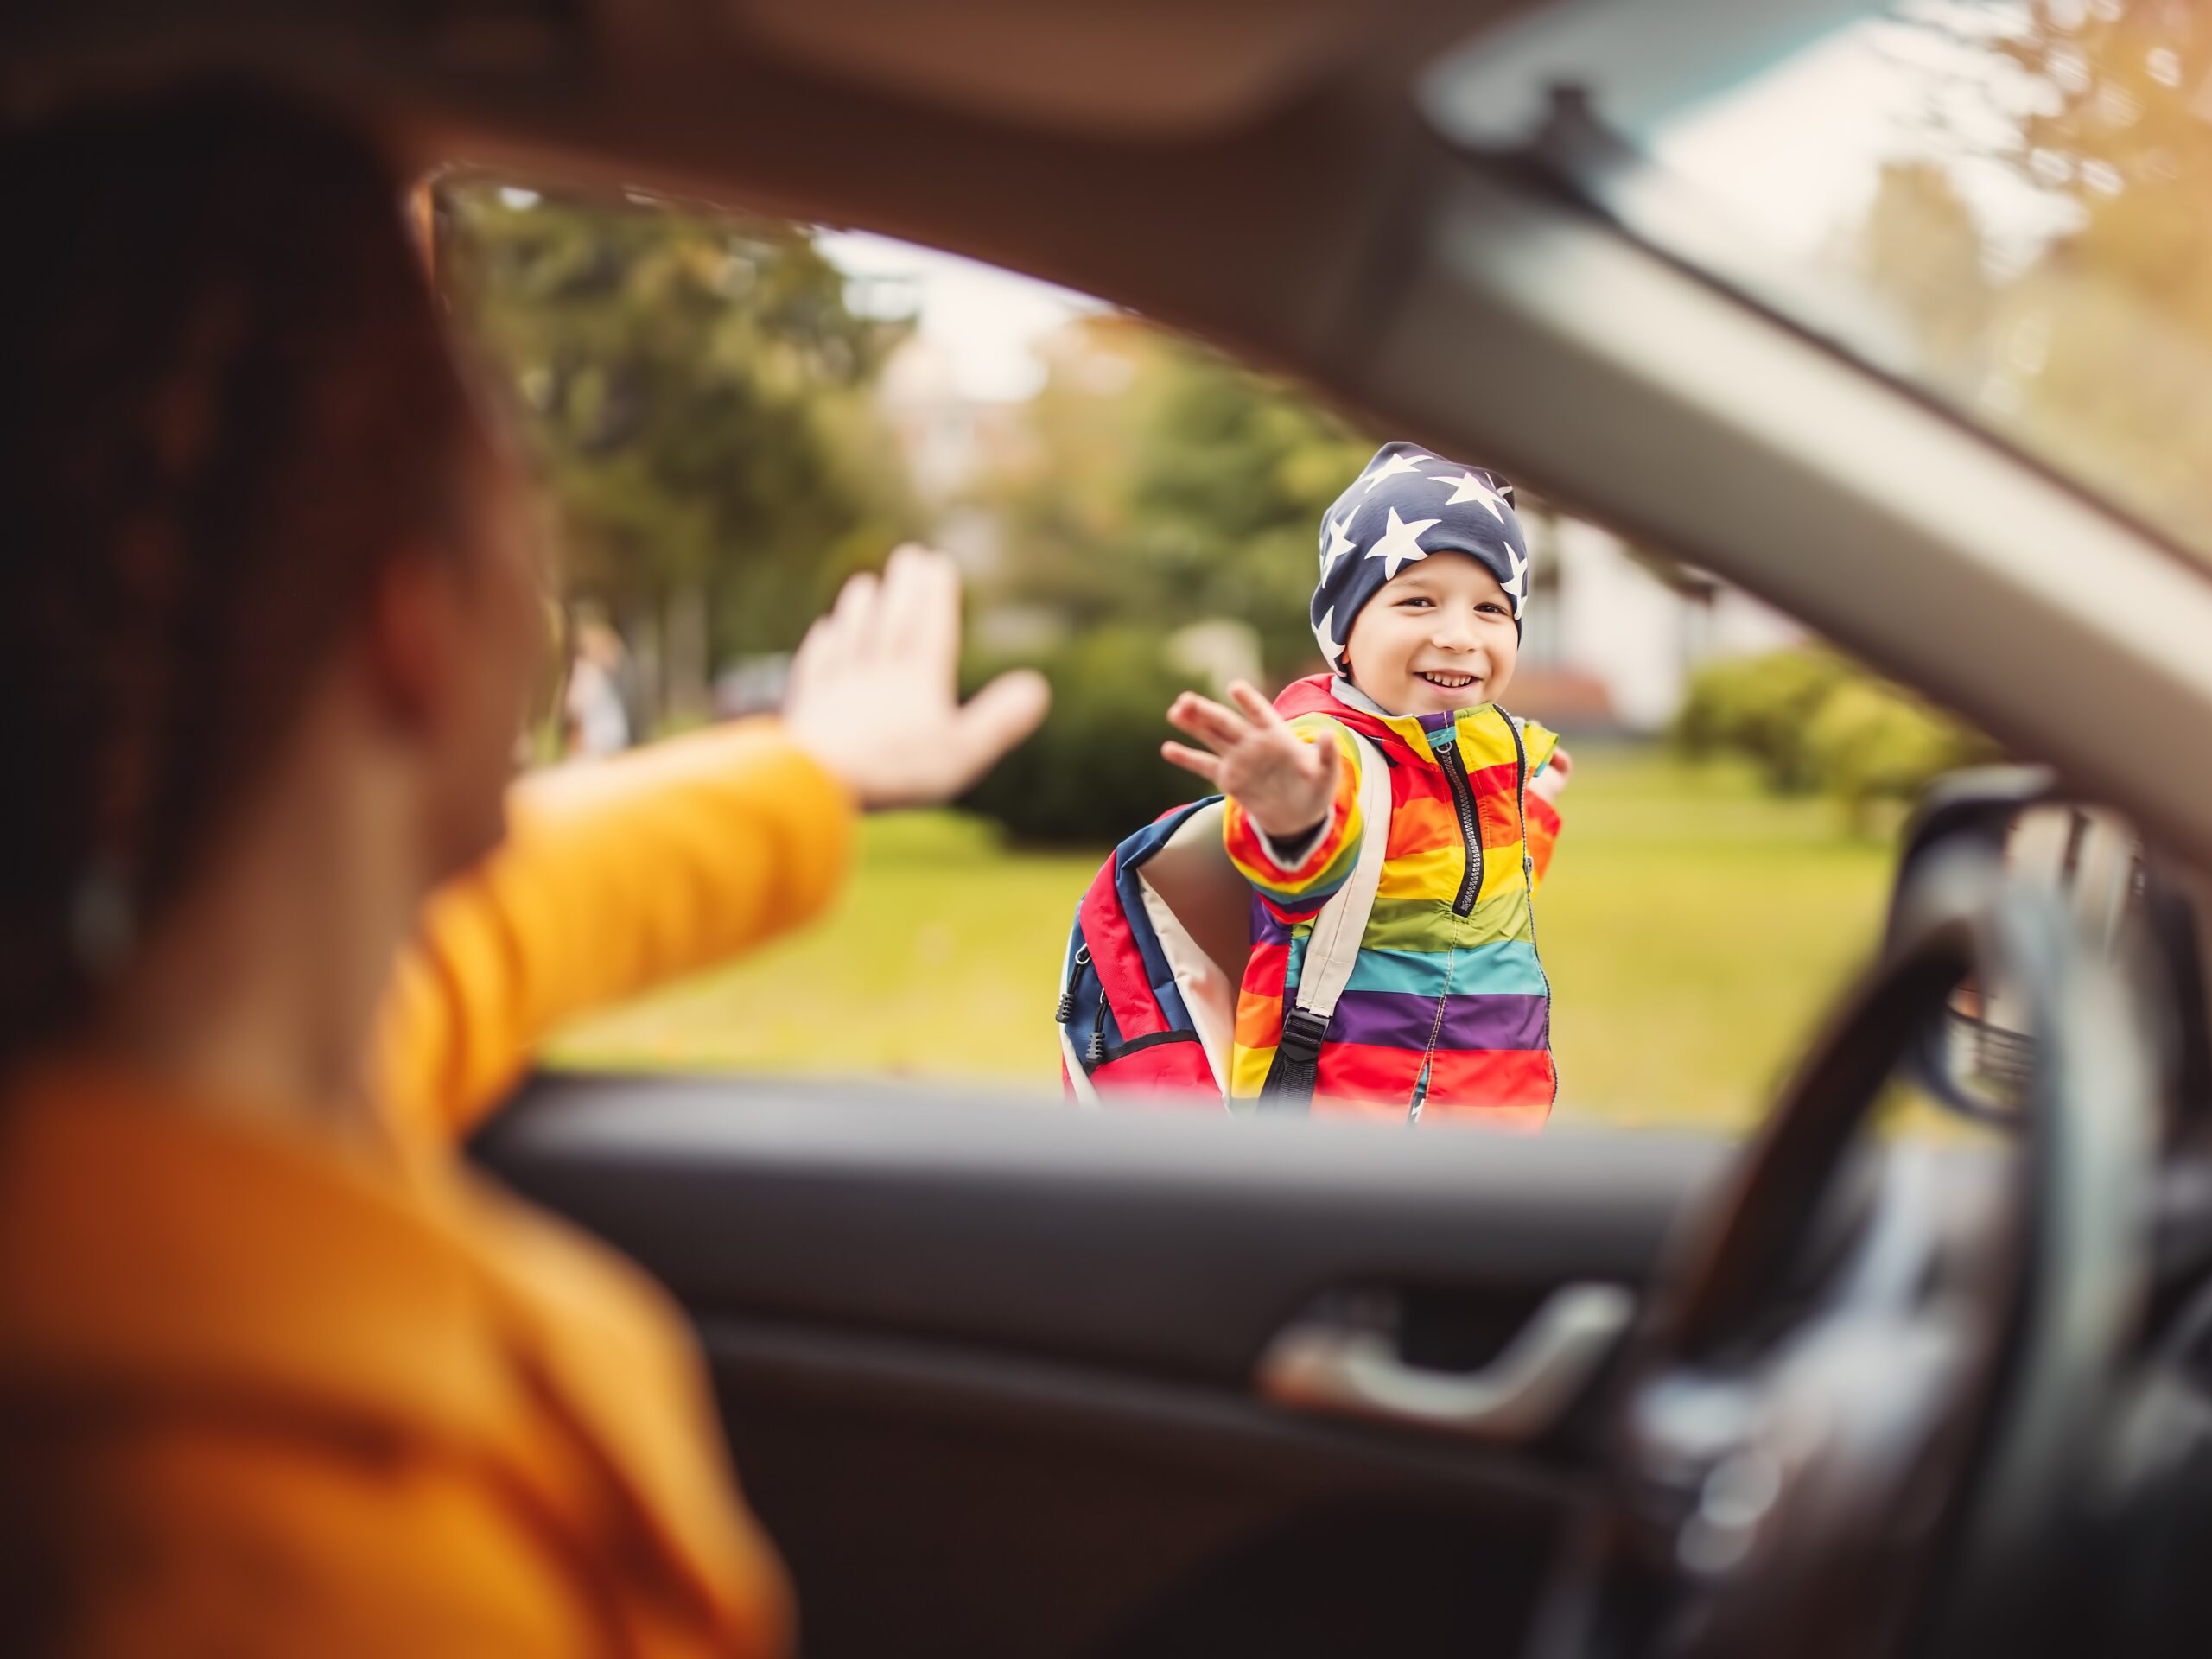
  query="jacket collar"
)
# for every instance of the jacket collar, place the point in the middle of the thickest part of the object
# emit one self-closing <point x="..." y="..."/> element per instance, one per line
<point x="1419" y="736"/>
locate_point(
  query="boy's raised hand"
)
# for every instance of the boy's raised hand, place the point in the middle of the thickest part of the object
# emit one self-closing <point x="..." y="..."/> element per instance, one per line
<point x="1551" y="783"/>
<point x="872" y="695"/>
<point x="1283" y="783"/>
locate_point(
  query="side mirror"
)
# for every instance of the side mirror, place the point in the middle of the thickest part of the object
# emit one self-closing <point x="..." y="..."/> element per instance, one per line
<point x="1977" y="1057"/>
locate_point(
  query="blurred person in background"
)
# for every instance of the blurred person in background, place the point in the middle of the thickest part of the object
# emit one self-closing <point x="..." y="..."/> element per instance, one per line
<point x="597" y="719"/>
<point x="276" y="1374"/>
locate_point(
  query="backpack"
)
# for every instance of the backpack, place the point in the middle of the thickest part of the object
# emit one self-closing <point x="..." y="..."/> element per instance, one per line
<point x="1148" y="1009"/>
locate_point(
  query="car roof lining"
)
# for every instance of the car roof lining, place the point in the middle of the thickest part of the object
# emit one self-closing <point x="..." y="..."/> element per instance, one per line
<point x="1135" y="70"/>
<point x="1139" y="68"/>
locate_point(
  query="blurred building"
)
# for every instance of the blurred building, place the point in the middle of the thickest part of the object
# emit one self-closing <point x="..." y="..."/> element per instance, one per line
<point x="948" y="439"/>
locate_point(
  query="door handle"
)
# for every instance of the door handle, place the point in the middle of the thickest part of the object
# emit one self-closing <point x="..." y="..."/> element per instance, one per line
<point x="1318" y="1365"/>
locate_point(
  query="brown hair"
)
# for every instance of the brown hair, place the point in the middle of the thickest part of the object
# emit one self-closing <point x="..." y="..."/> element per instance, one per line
<point x="226" y="399"/>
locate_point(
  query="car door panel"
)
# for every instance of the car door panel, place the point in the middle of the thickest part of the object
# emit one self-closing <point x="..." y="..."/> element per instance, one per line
<point x="1167" y="1243"/>
<point x="939" y="1502"/>
<point x="986" y="1368"/>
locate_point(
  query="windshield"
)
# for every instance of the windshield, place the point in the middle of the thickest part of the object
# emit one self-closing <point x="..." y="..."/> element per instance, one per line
<point x="2002" y="203"/>
<point x="732" y="413"/>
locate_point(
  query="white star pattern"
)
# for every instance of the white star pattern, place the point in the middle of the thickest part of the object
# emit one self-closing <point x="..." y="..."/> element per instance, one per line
<point x="1517" y="586"/>
<point x="1468" y="488"/>
<point x="1340" y="544"/>
<point x="1393" y="467"/>
<point x="1399" y="543"/>
<point x="1330" y="648"/>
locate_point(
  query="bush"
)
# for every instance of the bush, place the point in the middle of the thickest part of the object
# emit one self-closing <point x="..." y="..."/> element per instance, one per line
<point x="1812" y="721"/>
<point x="1869" y="742"/>
<point x="1092" y="773"/>
<point x="1761" y="707"/>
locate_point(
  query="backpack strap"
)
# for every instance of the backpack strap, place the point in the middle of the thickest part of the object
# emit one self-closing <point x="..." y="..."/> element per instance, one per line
<point x="1333" y="945"/>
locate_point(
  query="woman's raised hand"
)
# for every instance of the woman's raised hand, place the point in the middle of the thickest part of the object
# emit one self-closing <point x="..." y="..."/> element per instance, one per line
<point x="1284" y="783"/>
<point x="873" y="693"/>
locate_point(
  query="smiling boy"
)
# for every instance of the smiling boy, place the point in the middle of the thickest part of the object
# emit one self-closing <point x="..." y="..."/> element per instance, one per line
<point x="1447" y="1013"/>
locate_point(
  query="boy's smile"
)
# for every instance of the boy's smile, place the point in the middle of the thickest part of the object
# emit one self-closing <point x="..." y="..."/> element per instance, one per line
<point x="1438" y="636"/>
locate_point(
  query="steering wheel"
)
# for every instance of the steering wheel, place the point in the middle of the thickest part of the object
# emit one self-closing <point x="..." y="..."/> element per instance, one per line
<point x="1870" y="1398"/>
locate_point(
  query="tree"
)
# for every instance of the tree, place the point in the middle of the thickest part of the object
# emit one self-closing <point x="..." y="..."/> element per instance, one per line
<point x="2098" y="353"/>
<point x="1231" y="480"/>
<point x="694" y="386"/>
<point x="1922" y="249"/>
<point x="1162" y="485"/>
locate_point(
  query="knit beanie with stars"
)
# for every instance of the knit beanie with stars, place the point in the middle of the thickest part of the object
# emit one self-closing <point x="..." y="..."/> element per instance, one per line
<point x="1406" y="504"/>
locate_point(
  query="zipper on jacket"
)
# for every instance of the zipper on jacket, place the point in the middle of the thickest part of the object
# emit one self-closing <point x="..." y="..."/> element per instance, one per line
<point x="1463" y="797"/>
<point x="1528" y="883"/>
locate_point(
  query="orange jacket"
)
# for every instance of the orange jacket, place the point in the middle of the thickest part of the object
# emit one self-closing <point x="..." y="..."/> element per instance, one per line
<point x="263" y="1391"/>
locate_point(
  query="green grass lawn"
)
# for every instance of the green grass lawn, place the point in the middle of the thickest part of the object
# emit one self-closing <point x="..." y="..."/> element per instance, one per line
<point x="1694" y="929"/>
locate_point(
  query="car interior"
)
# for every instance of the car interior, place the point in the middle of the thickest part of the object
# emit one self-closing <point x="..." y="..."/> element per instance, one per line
<point x="1011" y="1381"/>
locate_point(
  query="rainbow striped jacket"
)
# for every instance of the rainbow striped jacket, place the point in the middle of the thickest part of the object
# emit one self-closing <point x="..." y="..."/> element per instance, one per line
<point x="1448" y="1011"/>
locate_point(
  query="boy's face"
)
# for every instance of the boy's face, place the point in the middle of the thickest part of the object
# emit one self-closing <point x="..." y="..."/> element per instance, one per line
<point x="1438" y="636"/>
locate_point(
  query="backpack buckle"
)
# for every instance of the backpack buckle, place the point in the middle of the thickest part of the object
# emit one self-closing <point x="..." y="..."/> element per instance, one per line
<point x="1302" y="1033"/>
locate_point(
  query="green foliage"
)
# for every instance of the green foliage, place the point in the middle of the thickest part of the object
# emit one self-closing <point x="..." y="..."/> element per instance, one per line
<point x="1761" y="707"/>
<point x="694" y="387"/>
<point x="1164" y="485"/>
<point x="699" y="397"/>
<point x="1160" y="486"/>
<point x="1811" y="721"/>
<point x="2094" y="348"/>
<point x="1870" y="742"/>
<point x="1093" y="773"/>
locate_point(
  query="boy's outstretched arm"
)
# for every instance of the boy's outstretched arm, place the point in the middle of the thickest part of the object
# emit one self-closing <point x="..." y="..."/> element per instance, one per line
<point x="1293" y="826"/>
